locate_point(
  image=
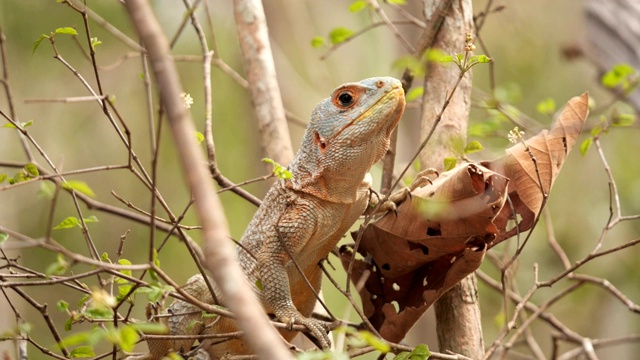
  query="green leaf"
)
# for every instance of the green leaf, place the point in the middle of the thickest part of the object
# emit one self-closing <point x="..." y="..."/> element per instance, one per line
<point x="62" y="306"/>
<point x="374" y="341"/>
<point x="624" y="120"/>
<point x="446" y="59"/>
<point x="192" y="324"/>
<point x="585" y="145"/>
<point x="66" y="31"/>
<point x="409" y="62"/>
<point x="128" y="338"/>
<point x="199" y="137"/>
<point x="546" y="106"/>
<point x="95" y="42"/>
<point x="259" y="285"/>
<point x="32" y="170"/>
<point x="22" y="125"/>
<point x="68" y="324"/>
<point x="151" y="328"/>
<point x="397" y="2"/>
<point x="105" y="257"/>
<point x="59" y="267"/>
<point x="82" y="352"/>
<point x="99" y="313"/>
<point x="415" y="93"/>
<point x="618" y="75"/>
<point x="357" y="5"/>
<point x="472" y="147"/>
<point x="124" y="272"/>
<point x="459" y="57"/>
<point x="420" y="352"/>
<point x="46" y="190"/>
<point x="317" y="42"/>
<point x="483" y="59"/>
<point x="37" y="42"/>
<point x="3" y="177"/>
<point x="79" y="186"/>
<point x="206" y="315"/>
<point x="449" y="163"/>
<point x="3" y="237"/>
<point x="402" y="356"/>
<point x="339" y="35"/>
<point x="68" y="223"/>
<point x="279" y="170"/>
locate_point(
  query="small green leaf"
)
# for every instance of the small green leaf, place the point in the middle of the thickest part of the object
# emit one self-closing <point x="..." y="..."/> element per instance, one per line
<point x="68" y="324"/>
<point x="449" y="163"/>
<point x="62" y="306"/>
<point x="105" y="257"/>
<point x="66" y="31"/>
<point x="259" y="285"/>
<point x="31" y="169"/>
<point x="59" y="267"/>
<point x="339" y="35"/>
<point x="317" y="42"/>
<point x="98" y="312"/>
<point x="357" y="5"/>
<point x="46" y="190"/>
<point x="618" y="75"/>
<point x="95" y="42"/>
<point x="37" y="42"/>
<point x="421" y="352"/>
<point x="415" y="93"/>
<point x="151" y="328"/>
<point x="483" y="59"/>
<point x="402" y="356"/>
<point x="124" y="272"/>
<point x="3" y="177"/>
<point x="79" y="186"/>
<point x="446" y="59"/>
<point x="397" y="2"/>
<point x="472" y="147"/>
<point x="3" y="237"/>
<point x="206" y="315"/>
<point x="624" y="120"/>
<point x="585" y="145"/>
<point x="82" y="352"/>
<point x="68" y="223"/>
<point x="596" y="130"/>
<point x="409" y="62"/>
<point x="21" y="125"/>
<point x="279" y="170"/>
<point x="128" y="337"/>
<point x="192" y="324"/>
<point x="199" y="137"/>
<point x="546" y="106"/>
<point x="374" y="341"/>
<point x="460" y="57"/>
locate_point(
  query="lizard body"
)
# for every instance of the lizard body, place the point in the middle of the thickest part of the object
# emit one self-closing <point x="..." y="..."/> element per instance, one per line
<point x="304" y="216"/>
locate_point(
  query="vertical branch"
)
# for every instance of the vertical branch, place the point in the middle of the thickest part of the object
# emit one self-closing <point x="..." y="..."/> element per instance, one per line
<point x="457" y="312"/>
<point x="219" y="255"/>
<point x="261" y="74"/>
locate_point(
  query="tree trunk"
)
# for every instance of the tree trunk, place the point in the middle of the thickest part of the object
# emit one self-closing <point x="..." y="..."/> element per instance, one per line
<point x="457" y="312"/>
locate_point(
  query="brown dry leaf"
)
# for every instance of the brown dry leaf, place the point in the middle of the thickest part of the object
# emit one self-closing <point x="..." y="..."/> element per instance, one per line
<point x="442" y="232"/>
<point x="528" y="180"/>
<point x="438" y="237"/>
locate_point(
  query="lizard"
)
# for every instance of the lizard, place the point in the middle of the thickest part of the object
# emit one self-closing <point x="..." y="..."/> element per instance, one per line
<point x="303" y="217"/>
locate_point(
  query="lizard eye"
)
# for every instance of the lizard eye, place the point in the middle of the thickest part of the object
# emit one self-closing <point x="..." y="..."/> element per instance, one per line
<point x="345" y="98"/>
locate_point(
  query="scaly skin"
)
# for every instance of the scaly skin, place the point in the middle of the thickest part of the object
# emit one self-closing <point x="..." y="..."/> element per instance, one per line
<point x="307" y="214"/>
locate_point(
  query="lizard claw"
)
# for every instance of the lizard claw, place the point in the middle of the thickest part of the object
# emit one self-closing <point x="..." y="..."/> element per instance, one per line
<point x="317" y="328"/>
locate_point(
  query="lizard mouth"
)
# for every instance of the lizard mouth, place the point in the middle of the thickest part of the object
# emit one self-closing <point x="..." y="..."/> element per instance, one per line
<point x="392" y="113"/>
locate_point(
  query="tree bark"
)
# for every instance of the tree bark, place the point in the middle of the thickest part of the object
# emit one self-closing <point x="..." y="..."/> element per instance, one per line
<point x="261" y="75"/>
<point x="457" y="312"/>
<point x="219" y="253"/>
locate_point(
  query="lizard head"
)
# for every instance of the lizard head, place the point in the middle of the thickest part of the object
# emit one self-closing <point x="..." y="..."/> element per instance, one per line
<point x="347" y="134"/>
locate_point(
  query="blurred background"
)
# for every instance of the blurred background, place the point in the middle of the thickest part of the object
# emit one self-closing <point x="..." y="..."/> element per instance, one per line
<point x="536" y="48"/>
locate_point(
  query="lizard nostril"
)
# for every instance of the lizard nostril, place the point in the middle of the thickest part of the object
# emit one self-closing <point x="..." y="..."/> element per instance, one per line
<point x="380" y="84"/>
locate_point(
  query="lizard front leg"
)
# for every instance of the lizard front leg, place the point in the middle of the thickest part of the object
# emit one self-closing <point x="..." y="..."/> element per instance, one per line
<point x="290" y="236"/>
